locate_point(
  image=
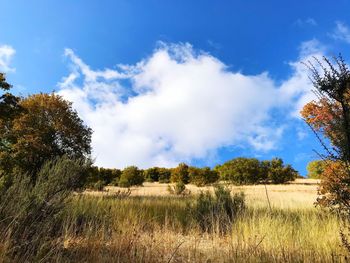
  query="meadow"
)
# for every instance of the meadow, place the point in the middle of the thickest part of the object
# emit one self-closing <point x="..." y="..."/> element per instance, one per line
<point x="148" y="224"/>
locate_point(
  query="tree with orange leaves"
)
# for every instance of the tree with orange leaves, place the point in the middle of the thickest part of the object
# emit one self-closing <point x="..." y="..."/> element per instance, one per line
<point x="329" y="118"/>
<point x="47" y="127"/>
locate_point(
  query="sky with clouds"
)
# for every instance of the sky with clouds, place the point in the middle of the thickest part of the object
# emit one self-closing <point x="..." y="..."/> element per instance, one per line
<point x="163" y="82"/>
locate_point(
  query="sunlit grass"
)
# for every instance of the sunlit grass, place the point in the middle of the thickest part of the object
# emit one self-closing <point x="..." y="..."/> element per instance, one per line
<point x="162" y="228"/>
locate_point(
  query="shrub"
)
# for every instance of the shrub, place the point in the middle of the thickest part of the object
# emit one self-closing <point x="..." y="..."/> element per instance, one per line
<point x="202" y="176"/>
<point x="108" y="175"/>
<point x="131" y="176"/>
<point x="178" y="189"/>
<point x="241" y="171"/>
<point x="31" y="219"/>
<point x="218" y="212"/>
<point x="152" y="174"/>
<point x="97" y="177"/>
<point x="252" y="171"/>
<point x="98" y="186"/>
<point x="164" y="175"/>
<point x="180" y="174"/>
<point x="279" y="173"/>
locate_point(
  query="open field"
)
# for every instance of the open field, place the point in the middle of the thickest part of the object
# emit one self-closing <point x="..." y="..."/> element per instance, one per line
<point x="301" y="193"/>
<point x="151" y="226"/>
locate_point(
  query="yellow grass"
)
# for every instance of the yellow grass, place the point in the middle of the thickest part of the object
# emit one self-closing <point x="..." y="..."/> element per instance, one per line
<point x="152" y="226"/>
<point x="301" y="193"/>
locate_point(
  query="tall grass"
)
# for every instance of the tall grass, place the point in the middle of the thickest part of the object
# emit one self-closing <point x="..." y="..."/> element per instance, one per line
<point x="163" y="229"/>
<point x="123" y="228"/>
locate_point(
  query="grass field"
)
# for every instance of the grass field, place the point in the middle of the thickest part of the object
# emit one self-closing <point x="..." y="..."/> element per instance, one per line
<point x="152" y="226"/>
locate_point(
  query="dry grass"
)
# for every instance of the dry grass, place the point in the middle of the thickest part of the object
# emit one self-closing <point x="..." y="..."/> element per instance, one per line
<point x="151" y="226"/>
<point x="300" y="193"/>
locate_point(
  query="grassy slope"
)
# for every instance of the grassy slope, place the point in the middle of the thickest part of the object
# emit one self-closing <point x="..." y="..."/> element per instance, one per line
<point x="160" y="228"/>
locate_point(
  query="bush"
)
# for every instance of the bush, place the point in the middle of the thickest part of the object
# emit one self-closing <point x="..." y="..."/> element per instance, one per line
<point x="202" y="176"/>
<point x="241" y="171"/>
<point x="178" y="189"/>
<point x="278" y="173"/>
<point x="218" y="212"/>
<point x="131" y="176"/>
<point x="102" y="176"/>
<point x="252" y="171"/>
<point x="180" y="174"/>
<point x="164" y="175"/>
<point x="98" y="186"/>
<point x="31" y="219"/>
<point x="151" y="174"/>
<point x="109" y="175"/>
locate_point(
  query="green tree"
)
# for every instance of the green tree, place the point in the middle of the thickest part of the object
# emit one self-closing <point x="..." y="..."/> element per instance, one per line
<point x="9" y="109"/>
<point x="202" y="176"/>
<point x="131" y="176"/>
<point x="241" y="171"/>
<point x="164" y="175"/>
<point x="279" y="173"/>
<point x="315" y="169"/>
<point x="152" y="174"/>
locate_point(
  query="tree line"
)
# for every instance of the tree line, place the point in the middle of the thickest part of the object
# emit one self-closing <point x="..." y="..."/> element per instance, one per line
<point x="238" y="171"/>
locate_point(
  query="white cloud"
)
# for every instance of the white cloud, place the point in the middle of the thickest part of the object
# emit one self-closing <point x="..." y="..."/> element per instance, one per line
<point x="176" y="105"/>
<point x="6" y="54"/>
<point x="341" y="32"/>
<point x="305" y="22"/>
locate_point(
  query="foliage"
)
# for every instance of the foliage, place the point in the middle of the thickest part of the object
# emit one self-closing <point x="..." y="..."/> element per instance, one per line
<point x="279" y="173"/>
<point x="152" y="174"/>
<point x="178" y="189"/>
<point x="31" y="213"/>
<point x="315" y="169"/>
<point x="329" y="118"/>
<point x="102" y="176"/>
<point x="252" y="171"/>
<point x="202" y="176"/>
<point x="9" y="109"/>
<point x="48" y="127"/>
<point x="218" y="212"/>
<point x="98" y="186"/>
<point x="131" y="176"/>
<point x="180" y="174"/>
<point x="164" y="175"/>
<point x="241" y="171"/>
<point x="109" y="176"/>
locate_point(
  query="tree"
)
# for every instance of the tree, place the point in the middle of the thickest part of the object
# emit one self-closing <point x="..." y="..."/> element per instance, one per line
<point x="329" y="118"/>
<point x="241" y="171"/>
<point x="278" y="173"/>
<point x="152" y="174"/>
<point x="180" y="174"/>
<point x="131" y="176"/>
<point x="315" y="169"/>
<point x="202" y="176"/>
<point x="164" y="175"/>
<point x="47" y="127"/>
<point x="9" y="109"/>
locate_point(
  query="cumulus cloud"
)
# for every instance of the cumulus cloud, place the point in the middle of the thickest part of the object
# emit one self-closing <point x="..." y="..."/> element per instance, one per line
<point x="178" y="104"/>
<point x="6" y="54"/>
<point x="341" y="32"/>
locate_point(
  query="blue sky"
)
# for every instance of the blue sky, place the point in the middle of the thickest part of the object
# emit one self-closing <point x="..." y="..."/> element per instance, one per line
<point x="117" y="60"/>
